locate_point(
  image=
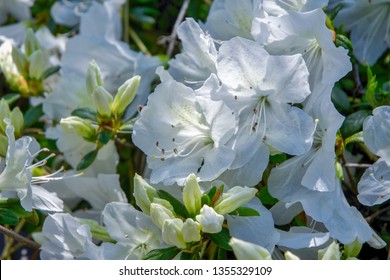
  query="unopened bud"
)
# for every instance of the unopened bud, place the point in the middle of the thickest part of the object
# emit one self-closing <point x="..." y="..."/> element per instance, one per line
<point x="234" y="198"/>
<point x="172" y="233"/>
<point x="78" y="125"/>
<point x="17" y="120"/>
<point x="125" y="95"/>
<point x="244" y="250"/>
<point x="191" y="231"/>
<point x="20" y="60"/>
<point x="332" y="252"/>
<point x="31" y="43"/>
<point x="192" y="196"/>
<point x="38" y="65"/>
<point x="94" y="78"/>
<point x="143" y="193"/>
<point x="159" y="214"/>
<point x="102" y="100"/>
<point x="210" y="220"/>
<point x="5" y="113"/>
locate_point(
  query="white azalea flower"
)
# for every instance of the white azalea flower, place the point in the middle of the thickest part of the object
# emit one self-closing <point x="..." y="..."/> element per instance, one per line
<point x="134" y="232"/>
<point x="64" y="238"/>
<point x="306" y="34"/>
<point x="374" y="186"/>
<point x="259" y="230"/>
<point x="13" y="32"/>
<point x="261" y="88"/>
<point x="230" y="18"/>
<point x="279" y="8"/>
<point x="369" y="24"/>
<point x="189" y="135"/>
<point x="209" y="220"/>
<point x="376" y="132"/>
<point x="68" y="13"/>
<point x="194" y="65"/>
<point x="17" y="174"/>
<point x="19" y="9"/>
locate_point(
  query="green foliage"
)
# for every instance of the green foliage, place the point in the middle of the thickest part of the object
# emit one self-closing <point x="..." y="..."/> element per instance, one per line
<point x="162" y="254"/>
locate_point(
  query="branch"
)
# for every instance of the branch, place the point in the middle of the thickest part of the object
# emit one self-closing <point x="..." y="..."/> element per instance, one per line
<point x="19" y="238"/>
<point x="172" y="38"/>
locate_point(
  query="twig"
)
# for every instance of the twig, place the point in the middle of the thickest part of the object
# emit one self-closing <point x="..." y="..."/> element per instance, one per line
<point x="349" y="174"/>
<point x="138" y="41"/>
<point x="357" y="165"/>
<point x="126" y="19"/>
<point x="19" y="238"/>
<point x="376" y="214"/>
<point x="171" y="39"/>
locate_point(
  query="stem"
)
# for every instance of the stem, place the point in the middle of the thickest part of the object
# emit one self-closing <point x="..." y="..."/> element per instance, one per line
<point x="126" y="19"/>
<point x="349" y="174"/>
<point x="138" y="41"/>
<point x="16" y="236"/>
<point x="376" y="214"/>
<point x="172" y="38"/>
<point x="357" y="165"/>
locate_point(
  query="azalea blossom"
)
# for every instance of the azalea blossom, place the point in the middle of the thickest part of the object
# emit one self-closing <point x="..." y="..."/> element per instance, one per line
<point x="197" y="60"/>
<point x="369" y="25"/>
<point x="16" y="177"/>
<point x="260" y="89"/>
<point x="19" y="9"/>
<point x="190" y="134"/>
<point x="306" y="34"/>
<point x="374" y="187"/>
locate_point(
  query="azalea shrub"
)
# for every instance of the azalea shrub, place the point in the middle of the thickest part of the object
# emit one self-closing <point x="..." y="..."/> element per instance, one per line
<point x="254" y="129"/>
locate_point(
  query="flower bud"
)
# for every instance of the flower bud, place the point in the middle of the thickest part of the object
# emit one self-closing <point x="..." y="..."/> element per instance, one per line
<point x="17" y="121"/>
<point x="5" y="113"/>
<point x="192" y="196"/>
<point x="20" y="60"/>
<point x="143" y="193"/>
<point x="172" y="233"/>
<point x="102" y="100"/>
<point x="191" y="230"/>
<point x="353" y="249"/>
<point x="210" y="220"/>
<point x="290" y="256"/>
<point x="3" y="145"/>
<point x="332" y="252"/>
<point x="159" y="214"/>
<point x="31" y="43"/>
<point x="125" y="95"/>
<point x="78" y="125"/>
<point x="38" y="65"/>
<point x="94" y="78"/>
<point x="244" y="250"/>
<point x="234" y="198"/>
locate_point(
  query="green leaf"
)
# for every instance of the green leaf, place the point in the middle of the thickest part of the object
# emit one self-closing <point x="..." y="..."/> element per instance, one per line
<point x="221" y="239"/>
<point x="104" y="136"/>
<point x="98" y="232"/>
<point x="356" y="138"/>
<point x="354" y="123"/>
<point x="50" y="71"/>
<point x="371" y="87"/>
<point x="11" y="214"/>
<point x="32" y="116"/>
<point x="244" y="212"/>
<point x="5" y="202"/>
<point x="162" y="254"/>
<point x="205" y="200"/>
<point x="179" y="208"/>
<point x="87" y="160"/>
<point x="189" y="256"/>
<point x="340" y="100"/>
<point x="11" y="97"/>
<point x="266" y="198"/>
<point x="212" y="192"/>
<point x="86" y="113"/>
<point x="278" y="158"/>
<point x="8" y="217"/>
